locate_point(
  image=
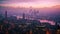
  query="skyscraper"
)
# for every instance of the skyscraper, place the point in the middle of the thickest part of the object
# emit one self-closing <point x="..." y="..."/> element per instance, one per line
<point x="23" y="15"/>
<point x="5" y="14"/>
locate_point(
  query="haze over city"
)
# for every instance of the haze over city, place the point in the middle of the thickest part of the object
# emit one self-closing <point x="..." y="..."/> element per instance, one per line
<point x="29" y="16"/>
<point x="43" y="7"/>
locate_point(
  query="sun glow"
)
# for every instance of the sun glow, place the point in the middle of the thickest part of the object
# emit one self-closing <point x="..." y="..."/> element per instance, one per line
<point x="34" y="4"/>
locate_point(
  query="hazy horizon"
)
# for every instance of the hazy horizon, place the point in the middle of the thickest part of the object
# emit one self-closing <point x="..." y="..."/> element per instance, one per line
<point x="28" y="3"/>
<point x="28" y="6"/>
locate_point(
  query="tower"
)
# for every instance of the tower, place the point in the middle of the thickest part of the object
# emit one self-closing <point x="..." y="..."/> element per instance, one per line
<point x="6" y="14"/>
<point x="23" y="15"/>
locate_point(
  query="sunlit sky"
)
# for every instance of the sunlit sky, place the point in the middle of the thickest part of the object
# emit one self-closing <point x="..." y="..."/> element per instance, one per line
<point x="28" y="3"/>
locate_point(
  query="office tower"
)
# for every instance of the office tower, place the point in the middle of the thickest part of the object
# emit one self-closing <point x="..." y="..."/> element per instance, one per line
<point x="23" y="15"/>
<point x="5" y="14"/>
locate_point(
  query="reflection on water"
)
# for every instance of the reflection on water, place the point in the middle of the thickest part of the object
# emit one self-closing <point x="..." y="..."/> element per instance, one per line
<point x="47" y="21"/>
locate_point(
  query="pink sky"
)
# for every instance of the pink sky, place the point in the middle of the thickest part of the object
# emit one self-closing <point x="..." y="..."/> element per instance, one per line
<point x="28" y="3"/>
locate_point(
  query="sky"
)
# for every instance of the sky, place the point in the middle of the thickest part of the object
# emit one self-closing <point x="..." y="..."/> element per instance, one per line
<point x="28" y="3"/>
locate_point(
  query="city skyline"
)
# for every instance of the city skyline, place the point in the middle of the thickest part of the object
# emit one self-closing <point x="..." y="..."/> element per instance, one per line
<point x="29" y="16"/>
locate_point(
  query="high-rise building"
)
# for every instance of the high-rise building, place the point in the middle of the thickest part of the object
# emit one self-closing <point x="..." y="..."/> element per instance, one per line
<point x="6" y="14"/>
<point x="23" y="15"/>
